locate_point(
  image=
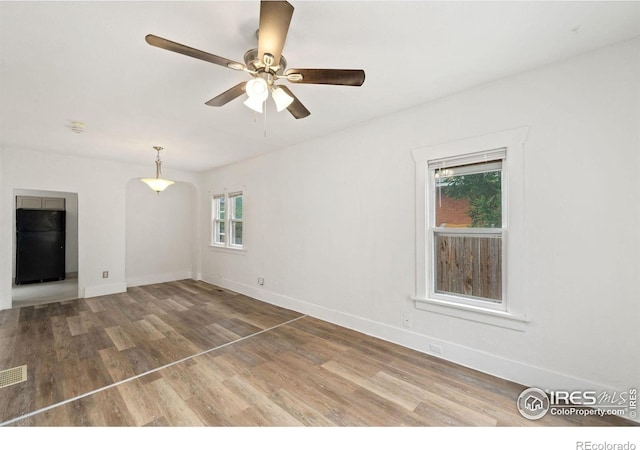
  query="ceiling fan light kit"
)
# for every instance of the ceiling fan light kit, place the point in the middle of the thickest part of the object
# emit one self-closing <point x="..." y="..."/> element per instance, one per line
<point x="266" y="65"/>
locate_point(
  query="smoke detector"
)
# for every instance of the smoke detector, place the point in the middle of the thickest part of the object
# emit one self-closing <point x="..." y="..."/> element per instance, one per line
<point x="77" y="127"/>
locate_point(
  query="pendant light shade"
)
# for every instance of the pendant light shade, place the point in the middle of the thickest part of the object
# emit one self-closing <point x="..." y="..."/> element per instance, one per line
<point x="158" y="184"/>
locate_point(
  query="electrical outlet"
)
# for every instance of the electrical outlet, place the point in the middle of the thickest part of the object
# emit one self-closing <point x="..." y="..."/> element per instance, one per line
<point x="261" y="281"/>
<point x="105" y="274"/>
<point x="406" y="320"/>
<point x="435" y="349"/>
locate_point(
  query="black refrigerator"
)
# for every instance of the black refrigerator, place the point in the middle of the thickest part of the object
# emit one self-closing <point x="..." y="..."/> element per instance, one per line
<point x="40" y="242"/>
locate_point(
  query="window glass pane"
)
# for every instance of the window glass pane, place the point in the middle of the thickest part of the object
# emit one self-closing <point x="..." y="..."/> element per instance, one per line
<point x="237" y="207"/>
<point x="468" y="265"/>
<point x="219" y="234"/>
<point x="469" y="196"/>
<point x="221" y="208"/>
<point x="237" y="233"/>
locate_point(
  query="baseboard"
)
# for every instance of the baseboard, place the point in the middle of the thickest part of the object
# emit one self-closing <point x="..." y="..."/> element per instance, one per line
<point x="158" y="278"/>
<point x="516" y="371"/>
<point x="104" y="289"/>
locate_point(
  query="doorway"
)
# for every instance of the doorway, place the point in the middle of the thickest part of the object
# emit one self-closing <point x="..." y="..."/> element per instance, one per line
<point x="37" y="293"/>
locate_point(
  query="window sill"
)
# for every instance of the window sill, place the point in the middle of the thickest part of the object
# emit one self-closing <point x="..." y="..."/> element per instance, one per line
<point x="231" y="250"/>
<point x="490" y="317"/>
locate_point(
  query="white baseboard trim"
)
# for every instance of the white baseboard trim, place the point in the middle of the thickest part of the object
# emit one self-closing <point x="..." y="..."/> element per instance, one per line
<point x="145" y="280"/>
<point x="104" y="289"/>
<point x="516" y="371"/>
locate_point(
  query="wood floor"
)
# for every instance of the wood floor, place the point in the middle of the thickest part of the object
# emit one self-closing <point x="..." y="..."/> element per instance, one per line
<point x="190" y="354"/>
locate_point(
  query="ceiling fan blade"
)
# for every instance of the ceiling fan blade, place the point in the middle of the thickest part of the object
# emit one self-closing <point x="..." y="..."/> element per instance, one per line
<point x="275" y="17"/>
<point x="228" y="95"/>
<point x="194" y="53"/>
<point x="343" y="77"/>
<point x="296" y="108"/>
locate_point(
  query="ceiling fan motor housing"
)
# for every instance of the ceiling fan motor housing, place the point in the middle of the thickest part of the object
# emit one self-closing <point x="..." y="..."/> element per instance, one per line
<point x="253" y="62"/>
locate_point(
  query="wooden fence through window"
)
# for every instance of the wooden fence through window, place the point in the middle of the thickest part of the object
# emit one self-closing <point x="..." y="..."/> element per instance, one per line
<point x="469" y="265"/>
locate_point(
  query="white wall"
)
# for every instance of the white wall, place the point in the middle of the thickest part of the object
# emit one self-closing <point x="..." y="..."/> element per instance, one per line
<point x="101" y="188"/>
<point x="160" y="233"/>
<point x="71" y="223"/>
<point x="330" y="224"/>
<point x="5" y="244"/>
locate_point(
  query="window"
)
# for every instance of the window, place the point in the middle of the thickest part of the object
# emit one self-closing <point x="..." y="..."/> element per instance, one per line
<point x="227" y="220"/>
<point x="219" y="220"/>
<point x="466" y="229"/>
<point x="235" y="220"/>
<point x="470" y="240"/>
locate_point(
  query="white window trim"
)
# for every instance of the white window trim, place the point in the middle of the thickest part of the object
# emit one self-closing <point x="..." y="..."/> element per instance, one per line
<point x="227" y="247"/>
<point x="512" y="313"/>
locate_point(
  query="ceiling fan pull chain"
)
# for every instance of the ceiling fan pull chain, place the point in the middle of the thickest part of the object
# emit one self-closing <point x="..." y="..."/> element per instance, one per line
<point x="265" y="119"/>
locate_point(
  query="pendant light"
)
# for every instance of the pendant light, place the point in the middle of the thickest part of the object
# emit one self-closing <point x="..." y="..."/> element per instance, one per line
<point x="158" y="184"/>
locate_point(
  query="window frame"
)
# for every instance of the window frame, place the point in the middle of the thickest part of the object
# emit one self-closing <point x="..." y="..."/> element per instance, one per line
<point x="228" y="220"/>
<point x="512" y="311"/>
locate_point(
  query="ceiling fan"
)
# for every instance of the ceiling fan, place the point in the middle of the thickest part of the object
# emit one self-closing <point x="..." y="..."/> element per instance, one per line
<point x="266" y="65"/>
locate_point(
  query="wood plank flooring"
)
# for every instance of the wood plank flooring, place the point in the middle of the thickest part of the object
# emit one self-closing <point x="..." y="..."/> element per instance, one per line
<point x="190" y="354"/>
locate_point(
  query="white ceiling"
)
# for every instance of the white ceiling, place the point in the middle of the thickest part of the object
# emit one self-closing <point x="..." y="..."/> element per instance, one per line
<point x="89" y="62"/>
